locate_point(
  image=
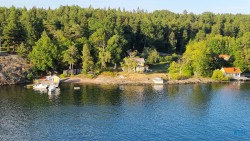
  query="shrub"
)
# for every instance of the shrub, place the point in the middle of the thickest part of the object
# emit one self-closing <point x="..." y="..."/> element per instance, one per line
<point x="63" y="75"/>
<point x="219" y="76"/>
<point x="177" y="76"/>
<point x="174" y="67"/>
<point x="30" y="76"/>
<point x="109" y="73"/>
<point x="91" y="76"/>
<point x="168" y="59"/>
<point x="175" y="57"/>
<point x="174" y="76"/>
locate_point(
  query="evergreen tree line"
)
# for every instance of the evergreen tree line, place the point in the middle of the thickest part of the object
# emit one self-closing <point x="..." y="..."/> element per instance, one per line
<point x="97" y="38"/>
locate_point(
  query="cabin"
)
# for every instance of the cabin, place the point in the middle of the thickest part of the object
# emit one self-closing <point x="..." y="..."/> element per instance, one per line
<point x="141" y="67"/>
<point x="231" y="72"/>
<point x="224" y="56"/>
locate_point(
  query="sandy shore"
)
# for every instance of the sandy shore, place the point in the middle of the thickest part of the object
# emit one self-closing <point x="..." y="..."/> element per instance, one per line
<point x="133" y="79"/>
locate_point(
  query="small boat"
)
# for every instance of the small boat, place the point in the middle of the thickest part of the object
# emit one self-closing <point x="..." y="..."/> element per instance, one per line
<point x="40" y="86"/>
<point x="158" y="80"/>
<point x="76" y="88"/>
<point x="51" y="88"/>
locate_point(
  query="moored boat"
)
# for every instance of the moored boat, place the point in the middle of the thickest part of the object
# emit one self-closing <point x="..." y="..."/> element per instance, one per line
<point x="51" y="88"/>
<point x="40" y="86"/>
<point x="158" y="80"/>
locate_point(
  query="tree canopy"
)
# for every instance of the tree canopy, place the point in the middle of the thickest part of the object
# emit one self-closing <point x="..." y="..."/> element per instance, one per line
<point x="46" y="34"/>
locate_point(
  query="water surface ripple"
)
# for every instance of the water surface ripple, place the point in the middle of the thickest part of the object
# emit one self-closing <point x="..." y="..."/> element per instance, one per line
<point x="127" y="112"/>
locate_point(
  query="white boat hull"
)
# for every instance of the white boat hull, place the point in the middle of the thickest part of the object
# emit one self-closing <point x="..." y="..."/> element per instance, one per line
<point x="51" y="88"/>
<point x="158" y="81"/>
<point x="40" y="86"/>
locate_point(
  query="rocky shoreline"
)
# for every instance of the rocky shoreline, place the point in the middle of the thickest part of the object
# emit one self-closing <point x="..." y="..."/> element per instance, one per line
<point x="13" y="69"/>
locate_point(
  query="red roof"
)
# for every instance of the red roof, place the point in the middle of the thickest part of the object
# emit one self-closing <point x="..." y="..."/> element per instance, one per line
<point x="232" y="70"/>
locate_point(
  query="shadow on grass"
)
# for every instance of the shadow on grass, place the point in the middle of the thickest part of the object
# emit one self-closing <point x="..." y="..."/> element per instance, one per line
<point x="160" y="67"/>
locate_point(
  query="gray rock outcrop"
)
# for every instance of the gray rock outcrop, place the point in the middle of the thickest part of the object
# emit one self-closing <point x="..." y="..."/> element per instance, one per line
<point x="13" y="69"/>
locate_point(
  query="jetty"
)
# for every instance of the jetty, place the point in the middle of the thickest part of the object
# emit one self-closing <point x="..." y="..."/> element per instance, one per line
<point x="242" y="78"/>
<point x="50" y="83"/>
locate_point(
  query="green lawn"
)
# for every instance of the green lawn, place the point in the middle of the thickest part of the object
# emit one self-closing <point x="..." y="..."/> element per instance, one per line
<point x="160" y="67"/>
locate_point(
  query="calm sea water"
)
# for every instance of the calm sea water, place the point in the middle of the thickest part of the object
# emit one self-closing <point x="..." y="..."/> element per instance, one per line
<point x="127" y="112"/>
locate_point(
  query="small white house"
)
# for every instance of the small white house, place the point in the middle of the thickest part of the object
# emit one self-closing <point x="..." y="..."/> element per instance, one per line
<point x="231" y="72"/>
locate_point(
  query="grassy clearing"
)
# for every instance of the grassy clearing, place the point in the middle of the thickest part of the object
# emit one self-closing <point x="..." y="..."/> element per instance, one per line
<point x="160" y="67"/>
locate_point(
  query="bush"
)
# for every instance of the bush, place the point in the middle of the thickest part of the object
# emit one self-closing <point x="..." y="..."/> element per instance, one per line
<point x="168" y="59"/>
<point x="177" y="76"/>
<point x="109" y="73"/>
<point x="175" y="57"/>
<point x="91" y="76"/>
<point x="63" y="75"/>
<point x="30" y="76"/>
<point x="219" y="76"/>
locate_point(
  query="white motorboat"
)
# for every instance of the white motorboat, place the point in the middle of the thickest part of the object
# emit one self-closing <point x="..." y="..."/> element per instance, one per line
<point x="51" y="88"/>
<point x="40" y="86"/>
<point x="158" y="80"/>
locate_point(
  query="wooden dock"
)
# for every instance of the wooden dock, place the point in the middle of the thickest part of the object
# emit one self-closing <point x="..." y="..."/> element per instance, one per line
<point x="242" y="78"/>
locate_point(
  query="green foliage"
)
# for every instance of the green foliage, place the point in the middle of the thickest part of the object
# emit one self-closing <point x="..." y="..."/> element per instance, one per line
<point x="219" y="76"/>
<point x="104" y="58"/>
<point x="87" y="60"/>
<point x="110" y="33"/>
<point x="242" y="57"/>
<point x="177" y="71"/>
<point x="99" y="41"/>
<point x="151" y="55"/>
<point x="44" y="53"/>
<point x="30" y="76"/>
<point x="174" y="67"/>
<point x="186" y="70"/>
<point x="177" y="76"/>
<point x="116" y="45"/>
<point x="12" y="31"/>
<point x="109" y="73"/>
<point x="63" y="75"/>
<point x="172" y="41"/>
<point x="128" y="64"/>
<point x="70" y="55"/>
<point x="175" y="57"/>
<point x="91" y="76"/>
<point x="22" y="51"/>
<point x="168" y="59"/>
<point x="199" y="58"/>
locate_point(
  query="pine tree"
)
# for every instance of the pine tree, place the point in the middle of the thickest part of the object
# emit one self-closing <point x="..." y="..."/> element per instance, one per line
<point x="44" y="53"/>
<point x="70" y="56"/>
<point x="87" y="60"/>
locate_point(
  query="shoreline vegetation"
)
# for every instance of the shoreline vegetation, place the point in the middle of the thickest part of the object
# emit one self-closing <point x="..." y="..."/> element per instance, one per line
<point x="184" y="47"/>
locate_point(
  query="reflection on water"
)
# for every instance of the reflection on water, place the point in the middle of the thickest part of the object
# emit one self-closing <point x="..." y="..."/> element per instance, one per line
<point x="126" y="112"/>
<point x="158" y="87"/>
<point x="54" y="95"/>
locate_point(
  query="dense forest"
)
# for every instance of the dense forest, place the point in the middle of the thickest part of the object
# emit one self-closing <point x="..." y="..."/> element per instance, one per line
<point x="94" y="39"/>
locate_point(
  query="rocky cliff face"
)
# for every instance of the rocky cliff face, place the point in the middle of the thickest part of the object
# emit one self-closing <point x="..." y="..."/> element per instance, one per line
<point x="13" y="69"/>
